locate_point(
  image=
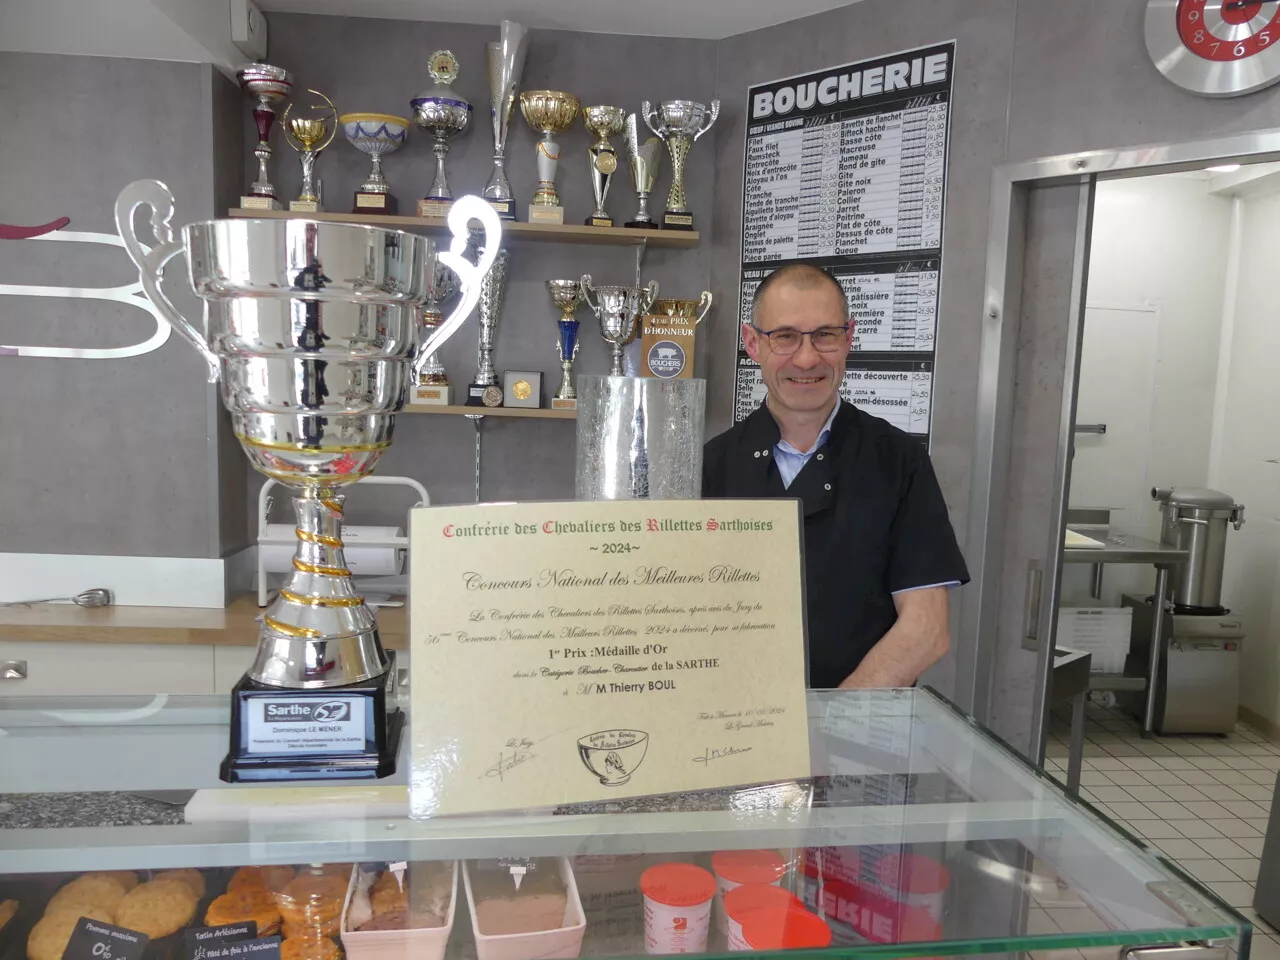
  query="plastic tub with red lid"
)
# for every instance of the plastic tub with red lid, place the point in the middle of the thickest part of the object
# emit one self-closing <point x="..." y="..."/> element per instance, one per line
<point x="677" y="908"/>
<point x="791" y="929"/>
<point x="915" y="880"/>
<point x="736" y="867"/>
<point x="744" y="900"/>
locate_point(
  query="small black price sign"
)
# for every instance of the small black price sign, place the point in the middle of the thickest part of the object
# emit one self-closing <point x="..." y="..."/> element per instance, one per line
<point x="200" y="939"/>
<point x="95" y="940"/>
<point x="259" y="948"/>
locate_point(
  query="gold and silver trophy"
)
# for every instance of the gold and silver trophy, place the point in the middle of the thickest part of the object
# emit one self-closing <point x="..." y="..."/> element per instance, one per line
<point x="376" y="134"/>
<point x="604" y="122"/>
<point x="566" y="295"/>
<point x="310" y="327"/>
<point x="485" y="390"/>
<point x="645" y="160"/>
<point x="431" y="383"/>
<point x="679" y="123"/>
<point x="618" y="309"/>
<point x="271" y="85"/>
<point x="549" y="112"/>
<point x="309" y="136"/>
<point x="444" y="113"/>
<point x="505" y="60"/>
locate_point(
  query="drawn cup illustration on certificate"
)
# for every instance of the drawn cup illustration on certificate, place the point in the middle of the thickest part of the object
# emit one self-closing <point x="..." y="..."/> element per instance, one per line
<point x="613" y="755"/>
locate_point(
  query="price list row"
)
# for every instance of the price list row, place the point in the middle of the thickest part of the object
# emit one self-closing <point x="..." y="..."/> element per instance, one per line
<point x="902" y="397"/>
<point x="893" y="310"/>
<point x="843" y="187"/>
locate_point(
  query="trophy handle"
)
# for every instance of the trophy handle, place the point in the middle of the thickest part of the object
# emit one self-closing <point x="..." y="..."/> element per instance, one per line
<point x="151" y="263"/>
<point x="585" y="286"/>
<point x="284" y="127"/>
<point x="712" y="113"/>
<point x="704" y="305"/>
<point x="333" y="118"/>
<point x="645" y="109"/>
<point x="463" y="211"/>
<point x="652" y="290"/>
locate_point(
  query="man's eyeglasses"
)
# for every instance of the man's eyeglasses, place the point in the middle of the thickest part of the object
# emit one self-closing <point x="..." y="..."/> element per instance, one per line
<point x="786" y="341"/>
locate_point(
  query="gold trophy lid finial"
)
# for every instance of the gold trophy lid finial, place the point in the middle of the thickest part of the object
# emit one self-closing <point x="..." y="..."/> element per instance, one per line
<point x="443" y="67"/>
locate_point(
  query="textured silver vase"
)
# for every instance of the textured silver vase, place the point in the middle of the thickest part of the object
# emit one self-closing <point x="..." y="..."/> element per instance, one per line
<point x="639" y="438"/>
<point x="311" y="329"/>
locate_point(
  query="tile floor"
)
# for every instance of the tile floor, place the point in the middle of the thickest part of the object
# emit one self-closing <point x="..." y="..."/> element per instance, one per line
<point x="1203" y="801"/>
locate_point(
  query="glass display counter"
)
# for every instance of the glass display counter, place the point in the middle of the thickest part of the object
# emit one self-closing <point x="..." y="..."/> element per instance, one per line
<point x="918" y="834"/>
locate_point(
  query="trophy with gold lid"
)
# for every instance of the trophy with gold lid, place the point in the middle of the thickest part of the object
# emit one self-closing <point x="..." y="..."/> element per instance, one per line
<point x="311" y="327"/>
<point x="309" y="136"/>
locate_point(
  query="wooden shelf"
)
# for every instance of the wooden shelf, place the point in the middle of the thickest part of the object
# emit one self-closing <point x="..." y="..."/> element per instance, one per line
<point x="543" y="413"/>
<point x="514" y="229"/>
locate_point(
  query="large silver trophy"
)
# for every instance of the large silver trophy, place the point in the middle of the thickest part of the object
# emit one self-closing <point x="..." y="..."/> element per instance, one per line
<point x="645" y="159"/>
<point x="639" y="438"/>
<point x="484" y="389"/>
<point x="445" y="113"/>
<point x="310" y="327"/>
<point x="679" y="123"/>
<point x="506" y="65"/>
<point x="619" y="310"/>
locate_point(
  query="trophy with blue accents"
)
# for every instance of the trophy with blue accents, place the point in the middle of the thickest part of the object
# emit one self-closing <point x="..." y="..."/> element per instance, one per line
<point x="566" y="295"/>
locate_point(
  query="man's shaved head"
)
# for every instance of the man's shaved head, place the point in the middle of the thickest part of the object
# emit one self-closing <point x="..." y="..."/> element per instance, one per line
<point x="800" y="275"/>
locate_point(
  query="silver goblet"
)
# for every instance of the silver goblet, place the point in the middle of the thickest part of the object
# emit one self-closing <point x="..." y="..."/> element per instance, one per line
<point x="618" y="309"/>
<point x="679" y="123"/>
<point x="444" y="113"/>
<point x="427" y="368"/>
<point x="272" y="86"/>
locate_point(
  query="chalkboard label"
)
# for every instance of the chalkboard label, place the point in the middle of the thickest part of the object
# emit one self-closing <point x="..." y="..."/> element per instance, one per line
<point x="95" y="940"/>
<point x="259" y="948"/>
<point x="200" y="939"/>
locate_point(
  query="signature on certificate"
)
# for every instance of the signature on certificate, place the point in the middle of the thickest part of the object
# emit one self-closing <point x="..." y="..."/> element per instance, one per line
<point x="716" y="753"/>
<point x="508" y="760"/>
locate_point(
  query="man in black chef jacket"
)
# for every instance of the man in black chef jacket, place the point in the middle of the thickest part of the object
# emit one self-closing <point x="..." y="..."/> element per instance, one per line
<point x="880" y="554"/>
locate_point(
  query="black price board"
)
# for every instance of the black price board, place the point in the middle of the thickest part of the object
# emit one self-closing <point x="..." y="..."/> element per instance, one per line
<point x="95" y="940"/>
<point x="259" y="948"/>
<point x="198" y="940"/>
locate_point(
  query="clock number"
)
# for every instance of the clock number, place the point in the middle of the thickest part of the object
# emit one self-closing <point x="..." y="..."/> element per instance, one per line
<point x="1239" y="50"/>
<point x="1199" y="36"/>
<point x="1264" y="37"/>
<point x="1193" y="16"/>
<point x="1216" y="46"/>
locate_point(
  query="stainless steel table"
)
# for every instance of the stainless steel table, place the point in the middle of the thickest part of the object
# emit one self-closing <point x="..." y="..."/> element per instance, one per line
<point x="1126" y="548"/>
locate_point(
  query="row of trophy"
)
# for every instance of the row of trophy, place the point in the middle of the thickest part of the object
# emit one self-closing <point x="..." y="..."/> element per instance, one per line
<point x="444" y="113"/>
<point x="668" y="327"/>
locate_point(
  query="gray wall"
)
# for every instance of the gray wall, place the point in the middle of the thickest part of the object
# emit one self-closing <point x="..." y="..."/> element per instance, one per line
<point x="102" y="456"/>
<point x="380" y="65"/>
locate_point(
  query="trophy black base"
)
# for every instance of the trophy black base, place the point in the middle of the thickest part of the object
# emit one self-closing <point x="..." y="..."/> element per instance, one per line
<point x="677" y="220"/>
<point x="640" y="225"/>
<point x="375" y="203"/>
<point x="337" y="733"/>
<point x="598" y="221"/>
<point x="506" y="209"/>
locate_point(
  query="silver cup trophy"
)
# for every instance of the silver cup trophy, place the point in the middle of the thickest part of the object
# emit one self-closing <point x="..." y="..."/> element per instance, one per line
<point x="272" y="86"/>
<point x="432" y="382"/>
<point x="444" y="113"/>
<point x="618" y="309"/>
<point x="310" y="327"/>
<point x="645" y="159"/>
<point x="484" y="390"/>
<point x="506" y="65"/>
<point x="604" y="122"/>
<point x="566" y="295"/>
<point x="679" y="123"/>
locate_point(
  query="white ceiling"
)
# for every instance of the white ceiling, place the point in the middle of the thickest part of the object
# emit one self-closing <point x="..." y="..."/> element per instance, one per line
<point x="703" y="19"/>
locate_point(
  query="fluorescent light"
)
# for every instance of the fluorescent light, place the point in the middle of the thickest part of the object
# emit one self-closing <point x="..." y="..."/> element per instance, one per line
<point x="1225" y="168"/>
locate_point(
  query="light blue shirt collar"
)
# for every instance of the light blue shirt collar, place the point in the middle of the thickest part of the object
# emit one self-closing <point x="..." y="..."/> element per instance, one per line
<point x="791" y="461"/>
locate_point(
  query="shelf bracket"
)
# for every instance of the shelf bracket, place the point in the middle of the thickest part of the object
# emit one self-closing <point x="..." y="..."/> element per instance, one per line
<point x="640" y="249"/>
<point x="477" y="419"/>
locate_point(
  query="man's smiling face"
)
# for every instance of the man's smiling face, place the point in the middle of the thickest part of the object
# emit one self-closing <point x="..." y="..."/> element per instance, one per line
<point x="807" y="380"/>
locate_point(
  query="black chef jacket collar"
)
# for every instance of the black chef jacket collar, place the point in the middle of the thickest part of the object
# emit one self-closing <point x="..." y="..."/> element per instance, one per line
<point x="817" y="483"/>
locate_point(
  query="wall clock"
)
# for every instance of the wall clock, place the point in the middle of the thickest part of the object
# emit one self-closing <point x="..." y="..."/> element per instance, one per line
<point x="1217" y="48"/>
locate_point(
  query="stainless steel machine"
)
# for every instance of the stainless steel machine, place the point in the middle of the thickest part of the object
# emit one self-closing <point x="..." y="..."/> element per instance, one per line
<point x="1197" y="690"/>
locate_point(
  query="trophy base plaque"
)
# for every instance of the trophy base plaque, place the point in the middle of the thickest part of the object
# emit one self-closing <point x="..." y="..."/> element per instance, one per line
<point x="598" y="222"/>
<point x="640" y="225"/>
<point x="434" y="393"/>
<point x="506" y="209"/>
<point x="305" y="206"/>
<point x="374" y="203"/>
<point x="350" y="732"/>
<point x="560" y="403"/>
<point x="539" y="213"/>
<point x="260" y="203"/>
<point x="677" y="220"/>
<point x="434" y="207"/>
